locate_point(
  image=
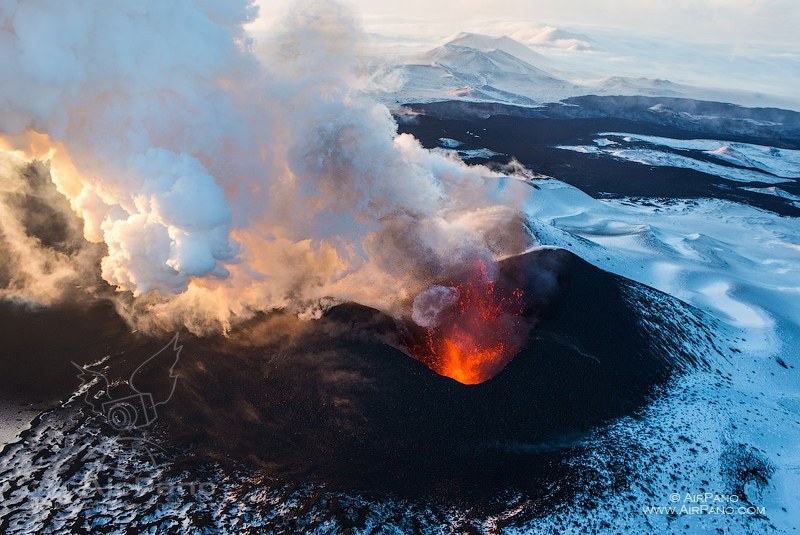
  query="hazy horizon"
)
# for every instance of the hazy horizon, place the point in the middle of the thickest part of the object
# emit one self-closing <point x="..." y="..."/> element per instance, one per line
<point x="735" y="22"/>
<point x="735" y="45"/>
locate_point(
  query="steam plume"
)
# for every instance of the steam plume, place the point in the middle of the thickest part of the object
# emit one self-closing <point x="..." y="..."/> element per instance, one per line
<point x="224" y="181"/>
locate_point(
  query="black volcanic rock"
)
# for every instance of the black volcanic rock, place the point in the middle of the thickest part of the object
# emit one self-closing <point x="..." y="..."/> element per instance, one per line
<point x="315" y="415"/>
<point x="769" y="126"/>
<point x="336" y="400"/>
<point x="533" y="135"/>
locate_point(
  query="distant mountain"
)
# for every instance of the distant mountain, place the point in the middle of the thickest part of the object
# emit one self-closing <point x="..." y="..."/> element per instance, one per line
<point x="504" y="43"/>
<point x="481" y="68"/>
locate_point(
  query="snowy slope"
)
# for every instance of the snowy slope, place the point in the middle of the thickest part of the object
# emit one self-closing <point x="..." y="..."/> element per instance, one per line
<point x="470" y="68"/>
<point x="779" y="162"/>
<point x="742" y="265"/>
<point x="751" y="163"/>
<point x="486" y="43"/>
<point x="777" y="192"/>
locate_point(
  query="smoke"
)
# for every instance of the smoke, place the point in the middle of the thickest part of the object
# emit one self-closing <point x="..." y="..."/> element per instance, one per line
<point x="430" y="304"/>
<point x="224" y="176"/>
<point x="130" y="97"/>
<point x="42" y="252"/>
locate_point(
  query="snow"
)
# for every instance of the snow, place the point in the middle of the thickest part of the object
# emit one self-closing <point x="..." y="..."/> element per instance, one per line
<point x="583" y="149"/>
<point x="466" y="154"/>
<point x="740" y="314"/>
<point x="16" y="417"/>
<point x="768" y="165"/>
<point x="449" y="143"/>
<point x="479" y="68"/>
<point x="705" y="242"/>
<point x="604" y="142"/>
<point x="504" y="43"/>
<point x="780" y="162"/>
<point x="478" y="153"/>
<point x="777" y="192"/>
<point x="740" y="264"/>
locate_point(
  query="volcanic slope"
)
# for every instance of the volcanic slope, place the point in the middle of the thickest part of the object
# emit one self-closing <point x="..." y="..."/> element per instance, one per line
<point x="299" y="412"/>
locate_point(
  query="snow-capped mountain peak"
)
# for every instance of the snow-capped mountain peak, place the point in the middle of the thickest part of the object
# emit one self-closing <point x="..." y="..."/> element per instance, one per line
<point x="466" y="59"/>
<point x="487" y="43"/>
<point x="479" y="67"/>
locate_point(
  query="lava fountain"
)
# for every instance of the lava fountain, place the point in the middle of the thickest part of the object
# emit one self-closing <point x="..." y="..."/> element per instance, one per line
<point x="474" y="327"/>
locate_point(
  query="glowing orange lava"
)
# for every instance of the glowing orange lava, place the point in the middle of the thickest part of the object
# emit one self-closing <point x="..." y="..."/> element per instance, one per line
<point x="480" y="334"/>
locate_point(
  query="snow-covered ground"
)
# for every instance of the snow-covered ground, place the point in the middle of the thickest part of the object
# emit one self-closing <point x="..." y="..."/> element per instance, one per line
<point x="777" y="192"/>
<point x="735" y="261"/>
<point x="660" y="158"/>
<point x="753" y="163"/>
<point x="16" y="417"/>
<point x="779" y="162"/>
<point x="742" y="265"/>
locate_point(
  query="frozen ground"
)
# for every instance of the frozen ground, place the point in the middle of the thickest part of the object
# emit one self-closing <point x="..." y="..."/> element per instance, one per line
<point x="738" y="162"/>
<point x="742" y="265"/>
<point x="16" y="417"/>
<point x="780" y="162"/>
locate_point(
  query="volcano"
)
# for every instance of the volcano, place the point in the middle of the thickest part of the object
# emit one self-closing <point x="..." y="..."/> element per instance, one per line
<point x="473" y="328"/>
<point x="364" y="413"/>
<point x="340" y="402"/>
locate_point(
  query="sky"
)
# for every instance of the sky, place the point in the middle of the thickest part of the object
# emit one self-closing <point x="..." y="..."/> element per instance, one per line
<point x="745" y="21"/>
<point x="748" y="45"/>
<point x="726" y="21"/>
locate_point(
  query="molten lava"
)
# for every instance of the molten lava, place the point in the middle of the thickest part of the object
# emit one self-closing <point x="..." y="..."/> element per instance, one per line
<point x="478" y="335"/>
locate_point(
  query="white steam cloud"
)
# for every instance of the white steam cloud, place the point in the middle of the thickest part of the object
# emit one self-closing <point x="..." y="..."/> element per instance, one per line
<point x="131" y="94"/>
<point x="225" y="181"/>
<point x="430" y="304"/>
